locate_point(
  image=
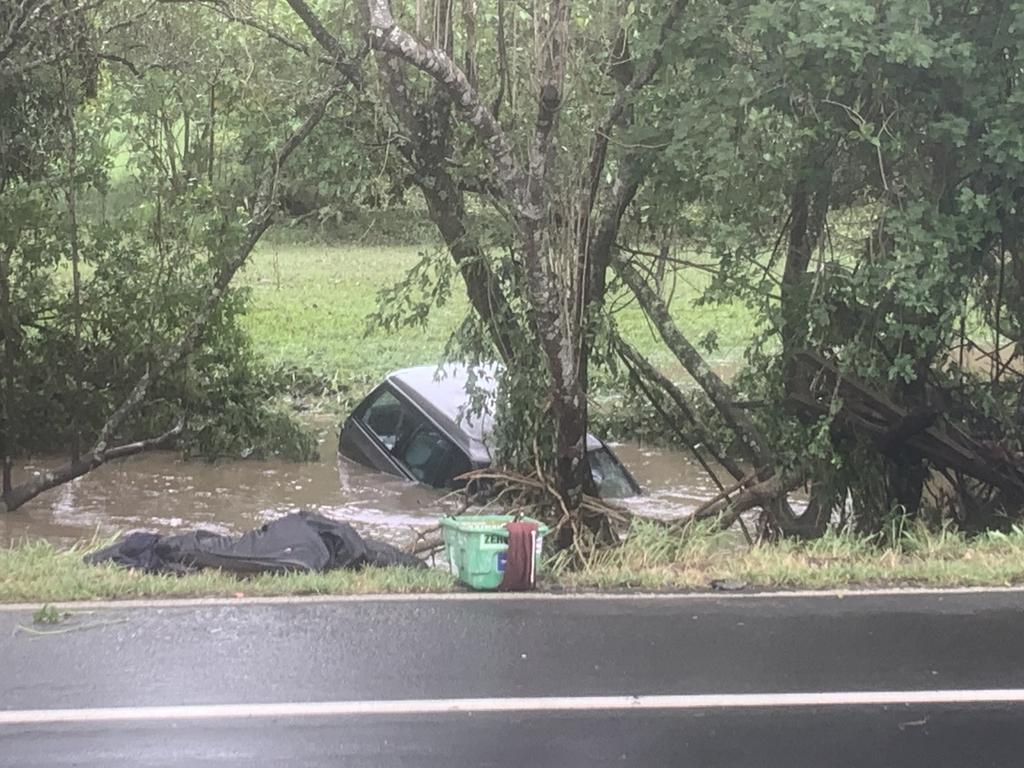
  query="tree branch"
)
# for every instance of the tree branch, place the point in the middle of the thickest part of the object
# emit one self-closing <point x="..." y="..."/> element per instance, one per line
<point x="754" y="446"/>
<point x="386" y="36"/>
<point x="602" y="134"/>
<point x="552" y="76"/>
<point x="25" y="492"/>
<point x="331" y="44"/>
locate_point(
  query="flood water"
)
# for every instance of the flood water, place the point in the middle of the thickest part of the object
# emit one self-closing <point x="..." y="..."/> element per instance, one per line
<point x="158" y="491"/>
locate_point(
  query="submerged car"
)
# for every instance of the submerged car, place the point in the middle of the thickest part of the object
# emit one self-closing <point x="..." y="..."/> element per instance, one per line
<point x="432" y="425"/>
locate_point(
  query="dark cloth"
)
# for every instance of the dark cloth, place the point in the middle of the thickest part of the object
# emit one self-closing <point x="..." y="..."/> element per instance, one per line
<point x="382" y="554"/>
<point x="519" y="564"/>
<point x="302" y="541"/>
<point x="136" y="550"/>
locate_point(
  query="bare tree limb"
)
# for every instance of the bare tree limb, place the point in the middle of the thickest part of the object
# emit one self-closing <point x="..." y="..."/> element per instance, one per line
<point x="754" y="446"/>
<point x="388" y="37"/>
<point x="553" y="45"/>
<point x="20" y="494"/>
<point x="698" y="434"/>
<point x="327" y="41"/>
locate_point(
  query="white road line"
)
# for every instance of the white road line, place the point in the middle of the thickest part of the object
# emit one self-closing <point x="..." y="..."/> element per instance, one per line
<point x="509" y="705"/>
<point x="197" y="602"/>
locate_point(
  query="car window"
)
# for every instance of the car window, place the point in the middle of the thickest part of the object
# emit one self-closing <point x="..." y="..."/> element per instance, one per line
<point x="388" y="418"/>
<point x="610" y="479"/>
<point x="431" y="457"/>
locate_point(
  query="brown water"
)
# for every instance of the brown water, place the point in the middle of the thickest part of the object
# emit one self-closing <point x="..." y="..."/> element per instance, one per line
<point x="158" y="491"/>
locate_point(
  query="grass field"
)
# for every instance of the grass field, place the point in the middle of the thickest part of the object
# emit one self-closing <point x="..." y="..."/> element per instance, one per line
<point x="310" y="304"/>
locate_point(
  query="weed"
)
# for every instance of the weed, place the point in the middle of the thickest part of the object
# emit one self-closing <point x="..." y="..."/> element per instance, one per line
<point x="48" y="614"/>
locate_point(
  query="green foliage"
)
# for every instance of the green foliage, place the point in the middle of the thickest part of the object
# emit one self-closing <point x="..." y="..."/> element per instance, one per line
<point x="891" y="118"/>
<point x="144" y="265"/>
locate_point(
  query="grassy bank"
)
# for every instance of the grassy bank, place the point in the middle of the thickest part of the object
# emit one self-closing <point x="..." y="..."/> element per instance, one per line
<point x="310" y="303"/>
<point x="39" y="571"/>
<point x="653" y="559"/>
<point x="650" y="560"/>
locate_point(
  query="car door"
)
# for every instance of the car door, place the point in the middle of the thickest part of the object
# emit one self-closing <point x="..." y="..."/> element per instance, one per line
<point x="431" y="457"/>
<point x="375" y="427"/>
<point x="389" y="433"/>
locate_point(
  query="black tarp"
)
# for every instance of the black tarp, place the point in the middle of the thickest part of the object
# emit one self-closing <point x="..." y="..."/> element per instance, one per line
<point x="302" y="541"/>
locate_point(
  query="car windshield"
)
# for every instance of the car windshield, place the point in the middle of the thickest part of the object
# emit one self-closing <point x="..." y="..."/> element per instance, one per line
<point x="610" y="479"/>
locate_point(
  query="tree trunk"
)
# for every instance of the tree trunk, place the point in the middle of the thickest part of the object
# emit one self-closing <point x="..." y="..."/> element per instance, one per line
<point x="9" y="403"/>
<point x="808" y="208"/>
<point x="447" y="211"/>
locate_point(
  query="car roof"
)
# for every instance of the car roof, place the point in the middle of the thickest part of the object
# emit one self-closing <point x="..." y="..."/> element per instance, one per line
<point x="461" y="400"/>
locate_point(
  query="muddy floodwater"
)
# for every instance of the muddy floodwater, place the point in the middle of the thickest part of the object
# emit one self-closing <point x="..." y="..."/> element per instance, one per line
<point x="159" y="491"/>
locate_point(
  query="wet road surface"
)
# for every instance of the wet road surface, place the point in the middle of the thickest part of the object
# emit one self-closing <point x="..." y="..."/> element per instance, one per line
<point x="908" y="680"/>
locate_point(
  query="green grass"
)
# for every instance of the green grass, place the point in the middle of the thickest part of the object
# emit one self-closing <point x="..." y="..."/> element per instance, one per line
<point x="654" y="559"/>
<point x="310" y="305"/>
<point x="651" y="559"/>
<point x="38" y="571"/>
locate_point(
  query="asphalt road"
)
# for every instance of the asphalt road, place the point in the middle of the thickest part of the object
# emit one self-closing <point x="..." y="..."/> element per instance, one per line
<point x="909" y="680"/>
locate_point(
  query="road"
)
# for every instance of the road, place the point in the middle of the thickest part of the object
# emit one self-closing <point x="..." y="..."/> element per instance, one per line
<point x="869" y="680"/>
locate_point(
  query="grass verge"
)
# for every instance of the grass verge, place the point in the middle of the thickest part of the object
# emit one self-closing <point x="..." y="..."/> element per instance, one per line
<point x="652" y="559"/>
<point x="37" y="571"/>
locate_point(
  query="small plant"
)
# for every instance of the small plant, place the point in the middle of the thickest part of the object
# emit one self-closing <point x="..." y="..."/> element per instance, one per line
<point x="49" y="614"/>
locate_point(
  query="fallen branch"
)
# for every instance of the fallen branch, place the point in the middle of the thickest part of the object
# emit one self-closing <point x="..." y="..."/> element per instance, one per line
<point x="753" y="443"/>
<point x="889" y="426"/>
<point x="22" y="493"/>
<point x="763" y="495"/>
<point x="697" y="435"/>
<point x="509" y="479"/>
